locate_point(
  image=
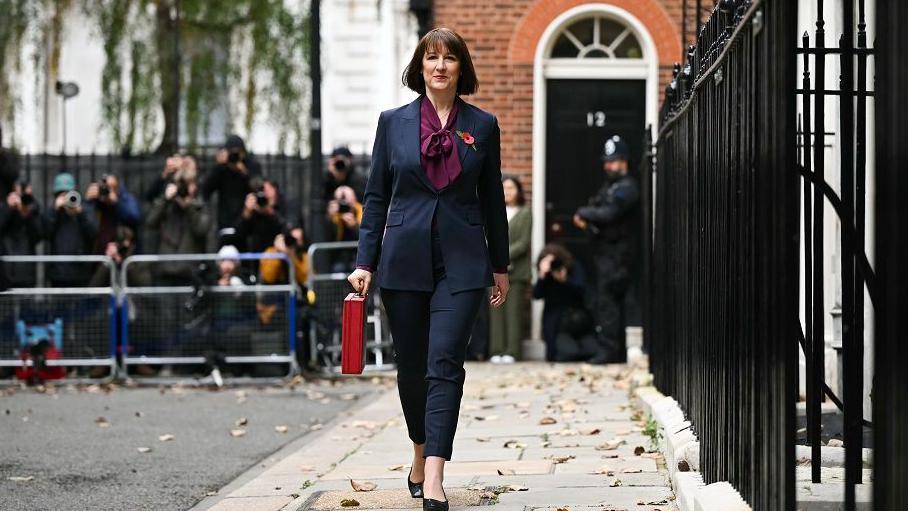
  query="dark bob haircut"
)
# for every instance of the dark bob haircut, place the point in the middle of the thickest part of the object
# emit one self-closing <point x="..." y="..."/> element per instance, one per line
<point x="435" y="39"/>
<point x="521" y="198"/>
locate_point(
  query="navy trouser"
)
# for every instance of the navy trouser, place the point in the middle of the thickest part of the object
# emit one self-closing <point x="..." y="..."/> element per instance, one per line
<point x="430" y="331"/>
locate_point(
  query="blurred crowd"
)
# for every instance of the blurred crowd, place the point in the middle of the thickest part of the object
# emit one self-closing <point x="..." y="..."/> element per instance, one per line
<point x="175" y="216"/>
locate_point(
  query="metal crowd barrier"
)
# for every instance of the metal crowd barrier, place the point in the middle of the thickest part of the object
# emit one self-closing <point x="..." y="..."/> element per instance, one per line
<point x="329" y="265"/>
<point x="79" y="322"/>
<point x="249" y="330"/>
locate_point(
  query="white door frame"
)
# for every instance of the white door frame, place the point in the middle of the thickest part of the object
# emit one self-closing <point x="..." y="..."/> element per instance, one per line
<point x="646" y="68"/>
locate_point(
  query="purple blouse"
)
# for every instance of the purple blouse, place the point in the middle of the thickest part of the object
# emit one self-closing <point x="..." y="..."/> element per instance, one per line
<point x="438" y="146"/>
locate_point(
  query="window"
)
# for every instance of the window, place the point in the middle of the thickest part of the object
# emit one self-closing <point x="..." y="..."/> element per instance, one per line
<point x="597" y="38"/>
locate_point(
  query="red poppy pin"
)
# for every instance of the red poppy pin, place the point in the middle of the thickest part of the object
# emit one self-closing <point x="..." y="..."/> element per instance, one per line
<point x="467" y="138"/>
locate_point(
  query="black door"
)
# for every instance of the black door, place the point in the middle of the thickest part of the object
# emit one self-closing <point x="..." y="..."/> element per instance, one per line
<point x="580" y="116"/>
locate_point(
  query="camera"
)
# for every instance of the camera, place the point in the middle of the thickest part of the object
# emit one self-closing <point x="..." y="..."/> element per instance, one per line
<point x="103" y="188"/>
<point x="199" y="298"/>
<point x="261" y="200"/>
<point x="72" y="199"/>
<point x="557" y="264"/>
<point x="289" y="239"/>
<point x="234" y="157"/>
<point x="343" y="206"/>
<point x="340" y="164"/>
<point x="27" y="198"/>
<point x="182" y="189"/>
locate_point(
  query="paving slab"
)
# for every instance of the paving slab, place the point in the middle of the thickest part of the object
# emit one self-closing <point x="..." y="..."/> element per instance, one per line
<point x="503" y="454"/>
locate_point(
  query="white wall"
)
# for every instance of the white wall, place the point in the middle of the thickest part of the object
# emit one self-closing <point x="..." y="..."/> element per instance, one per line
<point x="365" y="46"/>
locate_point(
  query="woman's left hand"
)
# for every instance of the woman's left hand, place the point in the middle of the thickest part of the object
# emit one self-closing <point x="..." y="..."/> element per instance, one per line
<point x="500" y="290"/>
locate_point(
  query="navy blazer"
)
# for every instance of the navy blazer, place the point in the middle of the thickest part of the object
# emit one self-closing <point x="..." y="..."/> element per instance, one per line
<point x="400" y="201"/>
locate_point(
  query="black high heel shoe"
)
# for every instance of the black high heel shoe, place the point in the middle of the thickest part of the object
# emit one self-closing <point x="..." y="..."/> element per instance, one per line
<point x="415" y="488"/>
<point x="435" y="505"/>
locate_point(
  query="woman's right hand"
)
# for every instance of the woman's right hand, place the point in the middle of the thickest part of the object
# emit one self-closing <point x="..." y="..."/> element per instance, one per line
<point x="360" y="280"/>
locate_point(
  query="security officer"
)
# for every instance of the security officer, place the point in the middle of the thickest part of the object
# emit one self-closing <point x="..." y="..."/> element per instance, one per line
<point x="612" y="219"/>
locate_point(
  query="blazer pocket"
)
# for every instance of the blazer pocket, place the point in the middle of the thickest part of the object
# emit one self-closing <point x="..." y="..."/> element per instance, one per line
<point x="395" y="218"/>
<point x="474" y="217"/>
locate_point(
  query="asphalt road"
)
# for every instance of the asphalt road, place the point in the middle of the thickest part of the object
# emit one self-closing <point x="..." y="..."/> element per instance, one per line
<point x="58" y="442"/>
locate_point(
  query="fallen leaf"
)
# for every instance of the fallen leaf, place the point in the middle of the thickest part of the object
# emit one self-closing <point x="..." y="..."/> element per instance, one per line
<point x="236" y="433"/>
<point x="242" y="421"/>
<point x="316" y="427"/>
<point x="639" y="450"/>
<point x="514" y="444"/>
<point x="482" y="439"/>
<point x="629" y="470"/>
<point x="166" y="438"/>
<point x="348" y="397"/>
<point x="349" y="502"/>
<point x="281" y="428"/>
<point x="144" y="450"/>
<point x="610" y="445"/>
<point x="593" y="431"/>
<point x="506" y="472"/>
<point x="514" y="487"/>
<point x="604" y="470"/>
<point x="102" y="422"/>
<point x="683" y="466"/>
<point x="140" y="414"/>
<point x="547" y="420"/>
<point x="617" y="482"/>
<point x="363" y="486"/>
<point x="396" y="467"/>
<point x="21" y="479"/>
<point x="560" y="459"/>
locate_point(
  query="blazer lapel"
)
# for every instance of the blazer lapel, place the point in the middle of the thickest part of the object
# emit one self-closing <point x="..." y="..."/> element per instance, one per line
<point x="411" y="141"/>
<point x="465" y="122"/>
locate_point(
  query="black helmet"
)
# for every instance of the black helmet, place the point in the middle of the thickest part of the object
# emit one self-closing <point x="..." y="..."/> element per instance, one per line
<point x="615" y="149"/>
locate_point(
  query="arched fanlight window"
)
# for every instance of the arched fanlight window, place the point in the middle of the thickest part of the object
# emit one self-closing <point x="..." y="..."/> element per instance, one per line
<point x="597" y="37"/>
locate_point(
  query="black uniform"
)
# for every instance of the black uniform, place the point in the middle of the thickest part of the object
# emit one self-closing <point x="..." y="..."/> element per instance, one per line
<point x="613" y="215"/>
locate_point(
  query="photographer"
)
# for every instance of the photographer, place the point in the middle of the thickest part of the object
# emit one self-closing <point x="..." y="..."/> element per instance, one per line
<point x="123" y="246"/>
<point x="291" y="243"/>
<point x="21" y="230"/>
<point x="345" y="214"/>
<point x="342" y="173"/>
<point x="69" y="231"/>
<point x="108" y="202"/>
<point x="567" y="325"/>
<point x="231" y="179"/>
<point x="181" y="222"/>
<point x="260" y="220"/>
<point x="172" y="164"/>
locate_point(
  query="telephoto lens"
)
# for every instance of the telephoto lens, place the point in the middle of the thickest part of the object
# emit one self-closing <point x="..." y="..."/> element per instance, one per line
<point x="340" y="165"/>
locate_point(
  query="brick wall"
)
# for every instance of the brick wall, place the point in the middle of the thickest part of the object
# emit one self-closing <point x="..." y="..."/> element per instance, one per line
<point x="503" y="35"/>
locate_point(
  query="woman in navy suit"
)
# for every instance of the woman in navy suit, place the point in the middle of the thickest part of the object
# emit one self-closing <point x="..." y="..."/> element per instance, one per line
<point x="435" y="230"/>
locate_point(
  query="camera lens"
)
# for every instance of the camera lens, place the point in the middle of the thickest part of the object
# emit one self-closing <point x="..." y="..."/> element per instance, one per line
<point x="234" y="157"/>
<point x="340" y="165"/>
<point x="72" y="199"/>
<point x="182" y="189"/>
<point x="261" y="200"/>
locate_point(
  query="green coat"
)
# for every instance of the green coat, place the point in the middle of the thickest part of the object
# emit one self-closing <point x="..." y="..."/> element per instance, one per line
<point x="520" y="231"/>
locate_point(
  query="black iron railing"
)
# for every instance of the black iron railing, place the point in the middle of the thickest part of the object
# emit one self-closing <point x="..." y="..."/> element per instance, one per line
<point x="890" y="389"/>
<point x="723" y="284"/>
<point x="848" y="203"/>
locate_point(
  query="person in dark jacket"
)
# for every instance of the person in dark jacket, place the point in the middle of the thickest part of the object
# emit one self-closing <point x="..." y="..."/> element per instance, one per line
<point x="566" y="321"/>
<point x="612" y="219"/>
<point x="69" y="231"/>
<point x="261" y="219"/>
<point x="341" y="172"/>
<point x="181" y="222"/>
<point x="231" y="179"/>
<point x="111" y="205"/>
<point x="21" y="229"/>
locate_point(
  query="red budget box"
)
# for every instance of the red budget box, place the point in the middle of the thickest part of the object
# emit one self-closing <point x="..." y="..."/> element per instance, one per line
<point x="353" y="328"/>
